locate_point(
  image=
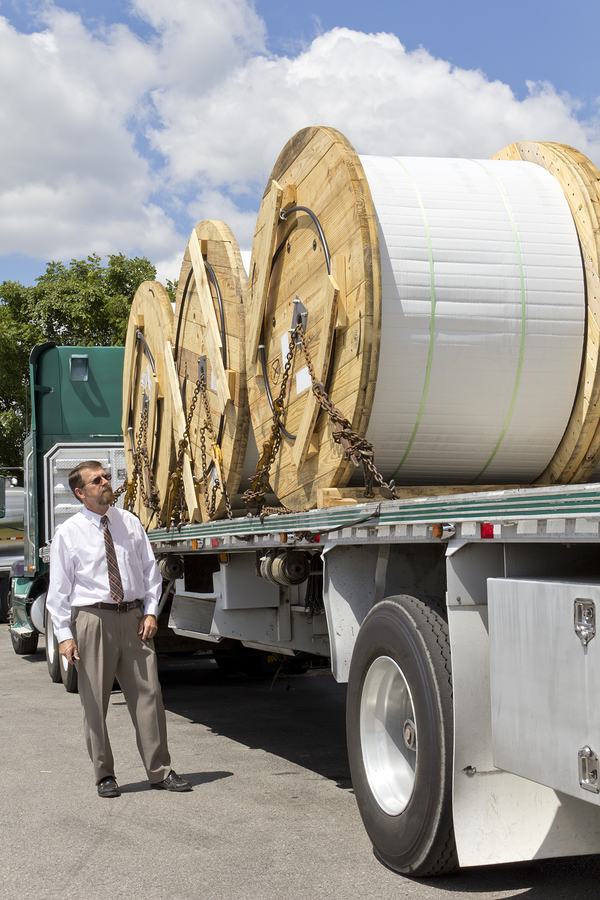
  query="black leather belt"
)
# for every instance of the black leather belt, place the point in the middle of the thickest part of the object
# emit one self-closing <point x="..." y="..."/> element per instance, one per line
<point x="116" y="607"/>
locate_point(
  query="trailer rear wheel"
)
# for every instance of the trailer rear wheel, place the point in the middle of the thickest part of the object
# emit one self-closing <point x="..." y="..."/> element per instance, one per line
<point x="68" y="674"/>
<point x="400" y="728"/>
<point x="24" y="644"/>
<point x="52" y="654"/>
<point x="4" y="599"/>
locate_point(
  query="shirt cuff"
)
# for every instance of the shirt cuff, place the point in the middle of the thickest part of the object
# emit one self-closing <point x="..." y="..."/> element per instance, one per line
<point x="63" y="634"/>
<point x="151" y="608"/>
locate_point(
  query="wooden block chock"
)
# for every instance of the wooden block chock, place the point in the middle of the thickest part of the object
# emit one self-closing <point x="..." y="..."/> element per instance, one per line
<point x="290" y="196"/>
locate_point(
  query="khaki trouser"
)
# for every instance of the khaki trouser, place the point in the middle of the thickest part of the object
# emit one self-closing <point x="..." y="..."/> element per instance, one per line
<point x="109" y="646"/>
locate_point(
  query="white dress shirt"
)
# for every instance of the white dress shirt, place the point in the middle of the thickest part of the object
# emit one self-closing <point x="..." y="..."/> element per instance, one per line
<point x="78" y="569"/>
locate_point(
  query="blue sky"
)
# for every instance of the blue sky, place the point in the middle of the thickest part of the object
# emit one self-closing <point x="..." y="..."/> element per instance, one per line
<point x="123" y="124"/>
<point x="515" y="41"/>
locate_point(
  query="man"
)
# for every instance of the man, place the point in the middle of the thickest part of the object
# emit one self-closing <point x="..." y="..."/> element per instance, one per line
<point x="103" y="599"/>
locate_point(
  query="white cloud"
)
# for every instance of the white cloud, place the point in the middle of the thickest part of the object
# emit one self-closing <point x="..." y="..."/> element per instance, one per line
<point x="71" y="180"/>
<point x="112" y="143"/>
<point x="168" y="269"/>
<point x="385" y="100"/>
<point x="199" y="41"/>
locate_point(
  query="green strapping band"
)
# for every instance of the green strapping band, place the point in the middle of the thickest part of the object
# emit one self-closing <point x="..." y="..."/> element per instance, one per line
<point x="523" y="317"/>
<point x="432" y="319"/>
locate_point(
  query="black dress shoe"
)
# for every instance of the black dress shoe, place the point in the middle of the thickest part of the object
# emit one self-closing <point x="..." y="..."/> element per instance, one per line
<point x="172" y="783"/>
<point x="108" y="787"/>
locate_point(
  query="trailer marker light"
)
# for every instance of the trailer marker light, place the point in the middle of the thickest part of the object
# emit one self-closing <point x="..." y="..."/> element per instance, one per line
<point x="437" y="530"/>
<point x="194" y="544"/>
<point x="487" y="530"/>
<point x="215" y="542"/>
<point x="283" y="537"/>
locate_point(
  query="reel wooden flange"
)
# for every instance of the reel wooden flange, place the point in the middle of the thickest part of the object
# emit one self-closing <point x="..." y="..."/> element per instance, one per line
<point x="208" y="336"/>
<point x="315" y="256"/>
<point x="578" y="453"/>
<point x="147" y="410"/>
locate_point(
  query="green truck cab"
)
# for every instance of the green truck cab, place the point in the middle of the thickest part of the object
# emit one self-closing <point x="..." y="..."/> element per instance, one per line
<point x="76" y="402"/>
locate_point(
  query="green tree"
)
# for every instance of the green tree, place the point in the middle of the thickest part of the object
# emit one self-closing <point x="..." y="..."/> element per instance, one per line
<point x="17" y="337"/>
<point x="84" y="303"/>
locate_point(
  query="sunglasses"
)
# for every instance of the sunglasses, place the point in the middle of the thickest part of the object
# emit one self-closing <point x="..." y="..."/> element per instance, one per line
<point x="98" y="480"/>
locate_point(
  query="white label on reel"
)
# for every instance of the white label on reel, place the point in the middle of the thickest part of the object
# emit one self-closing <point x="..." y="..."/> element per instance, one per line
<point x="146" y="381"/>
<point x="303" y="380"/>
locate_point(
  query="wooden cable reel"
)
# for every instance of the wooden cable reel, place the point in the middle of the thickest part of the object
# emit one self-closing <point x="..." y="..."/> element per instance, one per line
<point x="146" y="396"/>
<point x="317" y="254"/>
<point x="319" y="185"/>
<point x="208" y="333"/>
<point x="578" y="453"/>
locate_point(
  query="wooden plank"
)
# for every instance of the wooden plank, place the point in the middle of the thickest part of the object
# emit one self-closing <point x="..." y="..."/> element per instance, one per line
<point x="321" y="364"/>
<point x="160" y="379"/>
<point x="223" y="255"/>
<point x="338" y="270"/>
<point x="327" y="497"/>
<point x="259" y="293"/>
<point x="179" y="429"/>
<point x="151" y="313"/>
<point x="212" y="336"/>
<point x="290" y="196"/>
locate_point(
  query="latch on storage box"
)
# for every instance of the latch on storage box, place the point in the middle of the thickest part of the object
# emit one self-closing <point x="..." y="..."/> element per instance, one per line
<point x="588" y="770"/>
<point x="585" y="620"/>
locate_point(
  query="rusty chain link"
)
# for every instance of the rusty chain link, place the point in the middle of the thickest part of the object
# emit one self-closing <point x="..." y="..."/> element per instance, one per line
<point x="356" y="448"/>
<point x="142" y="474"/>
<point x="217" y="457"/>
<point x="255" y="497"/>
<point x="177" y="513"/>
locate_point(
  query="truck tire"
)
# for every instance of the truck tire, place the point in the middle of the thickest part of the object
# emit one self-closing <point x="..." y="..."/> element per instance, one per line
<point x="4" y="599"/>
<point x="400" y="735"/>
<point x="68" y="675"/>
<point x="52" y="654"/>
<point x="23" y="645"/>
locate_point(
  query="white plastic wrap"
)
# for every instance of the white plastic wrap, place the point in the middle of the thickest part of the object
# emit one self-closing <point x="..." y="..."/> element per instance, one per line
<point x="483" y="319"/>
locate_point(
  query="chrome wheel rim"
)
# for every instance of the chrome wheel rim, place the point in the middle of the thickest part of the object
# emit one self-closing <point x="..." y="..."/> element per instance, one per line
<point x="50" y="643"/>
<point x="388" y="735"/>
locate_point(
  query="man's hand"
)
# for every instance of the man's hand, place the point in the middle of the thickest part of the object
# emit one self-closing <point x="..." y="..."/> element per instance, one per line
<point x="148" y="628"/>
<point x="68" y="649"/>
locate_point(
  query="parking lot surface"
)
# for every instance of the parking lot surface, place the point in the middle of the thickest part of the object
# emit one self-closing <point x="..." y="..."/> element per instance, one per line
<point x="272" y="814"/>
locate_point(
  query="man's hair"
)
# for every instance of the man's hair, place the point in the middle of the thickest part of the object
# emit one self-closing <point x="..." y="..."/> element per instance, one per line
<point x="75" y="477"/>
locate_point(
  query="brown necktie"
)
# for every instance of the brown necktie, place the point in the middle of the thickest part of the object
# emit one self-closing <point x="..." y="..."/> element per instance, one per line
<point x="114" y="576"/>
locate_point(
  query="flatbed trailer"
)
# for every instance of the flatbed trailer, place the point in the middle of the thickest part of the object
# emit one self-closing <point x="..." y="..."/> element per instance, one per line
<point x="464" y="626"/>
<point x="463" y="623"/>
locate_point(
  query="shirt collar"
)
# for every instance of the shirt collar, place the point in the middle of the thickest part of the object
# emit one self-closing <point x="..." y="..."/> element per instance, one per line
<point x="94" y="518"/>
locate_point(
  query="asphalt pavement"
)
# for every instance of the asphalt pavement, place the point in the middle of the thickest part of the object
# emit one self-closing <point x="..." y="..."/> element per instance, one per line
<point x="272" y="815"/>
